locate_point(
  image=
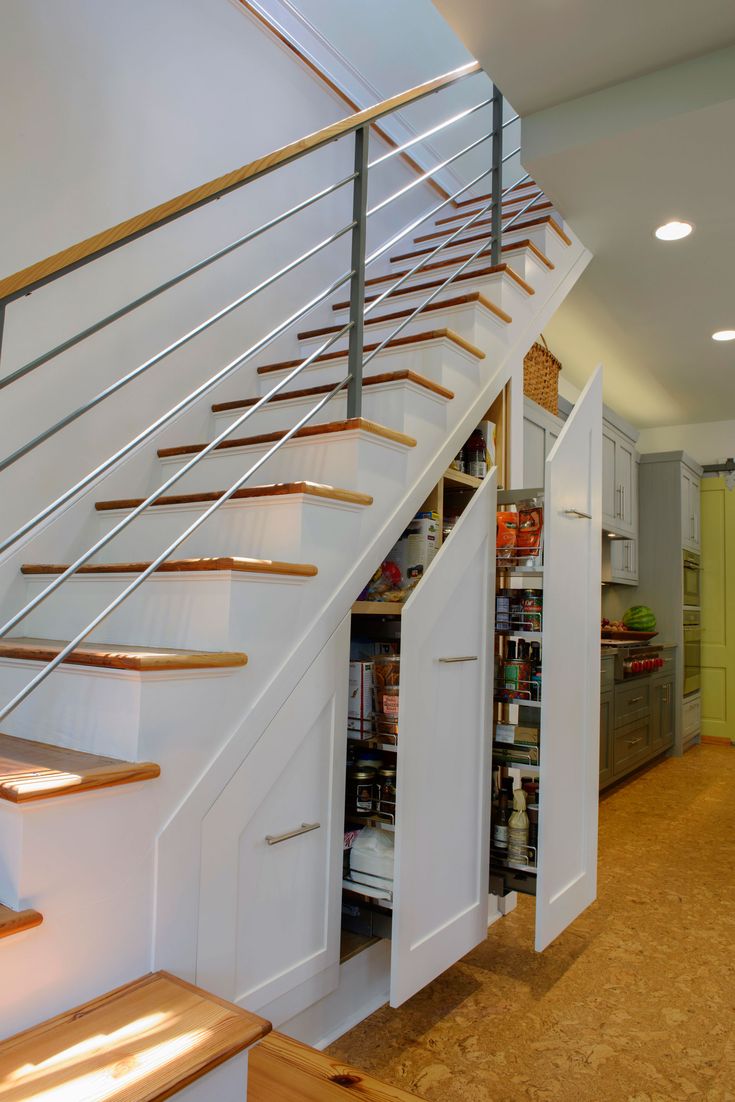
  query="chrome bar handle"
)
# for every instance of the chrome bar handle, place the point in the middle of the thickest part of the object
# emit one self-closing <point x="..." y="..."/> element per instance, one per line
<point x="460" y="658"/>
<point x="496" y="178"/>
<point x="577" y="513"/>
<point x="357" y="264"/>
<point x="274" y="839"/>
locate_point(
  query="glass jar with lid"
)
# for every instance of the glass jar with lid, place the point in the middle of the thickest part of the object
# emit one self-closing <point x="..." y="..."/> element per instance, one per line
<point x="387" y="791"/>
<point x="360" y="791"/>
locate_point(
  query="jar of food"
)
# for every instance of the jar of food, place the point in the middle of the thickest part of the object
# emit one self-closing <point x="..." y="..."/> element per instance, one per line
<point x="532" y="604"/>
<point x="386" y="677"/>
<point x="360" y="791"/>
<point x="387" y="790"/>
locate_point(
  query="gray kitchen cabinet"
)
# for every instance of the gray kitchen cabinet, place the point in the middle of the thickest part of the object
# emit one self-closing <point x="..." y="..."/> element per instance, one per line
<point x="606" y="730"/>
<point x="662" y="714"/>
<point x="691" y="538"/>
<point x="619" y="476"/>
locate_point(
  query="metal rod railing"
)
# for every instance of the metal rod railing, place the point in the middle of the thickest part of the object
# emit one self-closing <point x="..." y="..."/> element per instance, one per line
<point x="129" y="307"/>
<point x="429" y="133"/>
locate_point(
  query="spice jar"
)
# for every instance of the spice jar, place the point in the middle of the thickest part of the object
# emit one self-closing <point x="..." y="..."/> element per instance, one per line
<point x="387" y="790"/>
<point x="360" y="791"/>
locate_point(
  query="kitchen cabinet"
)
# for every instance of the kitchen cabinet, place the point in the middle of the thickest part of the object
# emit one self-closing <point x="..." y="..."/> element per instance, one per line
<point x="619" y="480"/>
<point x="606" y="730"/>
<point x="564" y="878"/>
<point x="690" y="510"/>
<point x="662" y="714"/>
<point x="620" y="561"/>
<point x="540" y="432"/>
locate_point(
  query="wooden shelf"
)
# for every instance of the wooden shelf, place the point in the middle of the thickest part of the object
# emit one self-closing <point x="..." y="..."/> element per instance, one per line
<point x="371" y="821"/>
<point x="459" y="478"/>
<point x="377" y="608"/>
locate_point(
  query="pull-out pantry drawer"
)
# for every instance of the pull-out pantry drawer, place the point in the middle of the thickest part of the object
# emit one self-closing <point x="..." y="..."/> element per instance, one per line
<point x="632" y="701"/>
<point x="631" y="745"/>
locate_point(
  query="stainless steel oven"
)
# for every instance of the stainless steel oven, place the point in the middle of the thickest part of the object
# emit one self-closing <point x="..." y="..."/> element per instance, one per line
<point x="692" y="575"/>
<point x="692" y="651"/>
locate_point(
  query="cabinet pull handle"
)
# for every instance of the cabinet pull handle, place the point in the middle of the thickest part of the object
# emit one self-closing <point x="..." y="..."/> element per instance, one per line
<point x="461" y="658"/>
<point x="274" y="839"/>
<point x="622" y="501"/>
<point x="633" y="741"/>
<point x="577" y="513"/>
<point x="635" y="700"/>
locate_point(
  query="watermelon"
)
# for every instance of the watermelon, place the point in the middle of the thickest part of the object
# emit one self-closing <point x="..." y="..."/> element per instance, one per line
<point x="639" y="618"/>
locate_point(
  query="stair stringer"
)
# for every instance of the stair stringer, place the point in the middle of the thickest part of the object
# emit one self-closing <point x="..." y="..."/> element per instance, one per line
<point x="178" y="869"/>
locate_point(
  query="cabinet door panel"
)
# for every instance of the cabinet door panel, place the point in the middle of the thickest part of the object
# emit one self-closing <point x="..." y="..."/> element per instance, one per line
<point x="624" y="470"/>
<point x="570" y="709"/>
<point x="269" y="923"/>
<point x="444" y="764"/>
<point x="610" y="496"/>
<point x="534" y="453"/>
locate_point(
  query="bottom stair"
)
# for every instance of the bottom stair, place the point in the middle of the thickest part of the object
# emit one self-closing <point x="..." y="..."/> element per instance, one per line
<point x="152" y="1039"/>
<point x="283" y="1070"/>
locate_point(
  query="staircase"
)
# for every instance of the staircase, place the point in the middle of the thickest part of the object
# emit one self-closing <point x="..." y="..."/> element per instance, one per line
<point x="112" y="764"/>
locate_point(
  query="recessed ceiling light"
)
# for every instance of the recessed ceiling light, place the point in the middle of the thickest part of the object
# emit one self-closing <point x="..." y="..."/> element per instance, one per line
<point x="674" y="231"/>
<point x="724" y="335"/>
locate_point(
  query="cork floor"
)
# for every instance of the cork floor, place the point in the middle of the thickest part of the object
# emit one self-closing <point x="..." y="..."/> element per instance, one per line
<point x="634" y="1003"/>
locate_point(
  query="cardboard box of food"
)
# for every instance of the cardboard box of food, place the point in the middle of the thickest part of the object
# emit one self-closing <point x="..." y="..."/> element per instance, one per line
<point x="360" y="701"/>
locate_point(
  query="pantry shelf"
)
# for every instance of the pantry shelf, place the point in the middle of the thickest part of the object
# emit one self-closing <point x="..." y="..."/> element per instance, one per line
<point x="518" y="703"/>
<point x="371" y="821"/>
<point x="367" y="891"/>
<point x="527" y="636"/>
<point x="459" y="478"/>
<point x="377" y="608"/>
<point x="504" y="863"/>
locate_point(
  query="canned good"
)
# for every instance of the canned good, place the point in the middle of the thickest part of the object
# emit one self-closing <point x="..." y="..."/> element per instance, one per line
<point x="387" y="790"/>
<point x="502" y="610"/>
<point x="532" y="605"/>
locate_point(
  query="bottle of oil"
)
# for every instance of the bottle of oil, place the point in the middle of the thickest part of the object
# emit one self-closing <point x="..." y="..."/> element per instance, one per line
<point x="518" y="829"/>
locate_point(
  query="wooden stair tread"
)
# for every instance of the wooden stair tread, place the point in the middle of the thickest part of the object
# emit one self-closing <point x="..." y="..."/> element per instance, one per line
<point x="397" y="342"/>
<point x="547" y="219"/>
<point x="526" y="245"/>
<point x="467" y="240"/>
<point x="38" y="770"/>
<point x="143" y="1042"/>
<point x="546" y="205"/>
<point x="539" y="203"/>
<point x="349" y="425"/>
<point x="15" y="922"/>
<point x="314" y="391"/>
<point x="276" y="489"/>
<point x="430" y="285"/>
<point x="283" y="1070"/>
<point x="510" y="200"/>
<point x="438" y="304"/>
<point x="115" y="656"/>
<point x="231" y="563"/>
<point x="525" y="186"/>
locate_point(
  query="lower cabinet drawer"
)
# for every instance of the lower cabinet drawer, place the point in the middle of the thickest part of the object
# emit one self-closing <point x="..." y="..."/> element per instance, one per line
<point x="632" y="702"/>
<point x="691" y="716"/>
<point x="631" y="744"/>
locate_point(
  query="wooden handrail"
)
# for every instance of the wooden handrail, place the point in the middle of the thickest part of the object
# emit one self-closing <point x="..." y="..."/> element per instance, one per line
<point x="40" y="272"/>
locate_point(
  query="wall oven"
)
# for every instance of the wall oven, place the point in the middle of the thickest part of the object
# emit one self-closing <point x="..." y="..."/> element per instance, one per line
<point x="692" y="651"/>
<point x="692" y="574"/>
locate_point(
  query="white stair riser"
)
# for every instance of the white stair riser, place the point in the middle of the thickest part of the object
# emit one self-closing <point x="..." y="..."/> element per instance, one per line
<point x="499" y="288"/>
<point x="196" y="610"/>
<point x="86" y="863"/>
<point x="470" y="320"/>
<point x="353" y="458"/>
<point x="291" y="527"/>
<point x="113" y="712"/>
<point x="400" y="405"/>
<point x="542" y="236"/>
<point x="524" y="262"/>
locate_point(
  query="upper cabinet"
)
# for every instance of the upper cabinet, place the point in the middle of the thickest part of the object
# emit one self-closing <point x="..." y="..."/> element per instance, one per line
<point x="690" y="513"/>
<point x="619" y="478"/>
<point x="540" y="432"/>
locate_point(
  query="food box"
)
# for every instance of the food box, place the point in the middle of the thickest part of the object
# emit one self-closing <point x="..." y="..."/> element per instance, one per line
<point x="360" y="701"/>
<point x="407" y="562"/>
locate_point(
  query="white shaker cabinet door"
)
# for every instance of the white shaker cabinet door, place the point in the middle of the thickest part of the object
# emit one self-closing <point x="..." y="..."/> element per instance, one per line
<point x="570" y="710"/>
<point x="444" y="763"/>
<point x="270" y="911"/>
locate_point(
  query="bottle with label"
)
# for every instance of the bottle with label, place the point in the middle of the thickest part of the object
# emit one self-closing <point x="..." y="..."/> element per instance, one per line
<point x="518" y="829"/>
<point x="476" y="454"/>
<point x="500" y="825"/>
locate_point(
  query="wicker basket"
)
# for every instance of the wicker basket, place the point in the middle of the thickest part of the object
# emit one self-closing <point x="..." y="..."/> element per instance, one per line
<point x="541" y="376"/>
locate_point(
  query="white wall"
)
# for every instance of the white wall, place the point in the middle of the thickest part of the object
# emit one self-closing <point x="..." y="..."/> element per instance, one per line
<point x="122" y="107"/>
<point x="708" y="442"/>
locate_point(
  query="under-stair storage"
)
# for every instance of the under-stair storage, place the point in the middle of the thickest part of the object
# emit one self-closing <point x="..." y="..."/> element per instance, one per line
<point x="547" y="699"/>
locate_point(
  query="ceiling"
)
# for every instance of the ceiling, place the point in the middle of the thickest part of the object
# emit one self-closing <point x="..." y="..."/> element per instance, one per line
<point x="619" y="159"/>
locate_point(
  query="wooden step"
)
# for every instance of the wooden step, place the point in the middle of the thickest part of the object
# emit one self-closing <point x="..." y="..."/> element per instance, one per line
<point x="515" y="198"/>
<point x="175" y="566"/>
<point x="467" y="240"/>
<point x="525" y="187"/>
<point x="540" y="203"/>
<point x="307" y="432"/>
<point x="437" y="304"/>
<point x="283" y="1070"/>
<point x="546" y="220"/>
<point x="430" y="285"/>
<point x="456" y="261"/>
<point x="118" y="656"/>
<point x="39" y="771"/>
<point x="143" y="1042"/>
<point x="397" y="342"/>
<point x="279" y="489"/>
<point x="15" y="922"/>
<point x="315" y="391"/>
